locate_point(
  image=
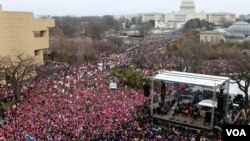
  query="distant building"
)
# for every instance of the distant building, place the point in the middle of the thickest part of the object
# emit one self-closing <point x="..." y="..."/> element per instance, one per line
<point x="22" y="32"/>
<point x="153" y="16"/>
<point x="238" y="32"/>
<point x="241" y="27"/>
<point x="124" y="17"/>
<point x="211" y="37"/>
<point x="163" y="25"/>
<point x="244" y="17"/>
<point x="221" y="19"/>
<point x="168" y="25"/>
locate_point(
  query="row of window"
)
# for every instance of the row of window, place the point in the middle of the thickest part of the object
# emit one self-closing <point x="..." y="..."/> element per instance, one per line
<point x="211" y="39"/>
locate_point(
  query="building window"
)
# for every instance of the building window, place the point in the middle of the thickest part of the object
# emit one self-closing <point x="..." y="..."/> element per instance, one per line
<point x="37" y="52"/>
<point x="41" y="33"/>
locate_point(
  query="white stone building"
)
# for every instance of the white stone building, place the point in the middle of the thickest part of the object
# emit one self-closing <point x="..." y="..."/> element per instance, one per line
<point x="187" y="12"/>
<point x="153" y="16"/>
<point x="221" y="18"/>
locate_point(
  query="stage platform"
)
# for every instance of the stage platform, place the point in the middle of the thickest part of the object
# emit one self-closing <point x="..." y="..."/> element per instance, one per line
<point x="189" y="122"/>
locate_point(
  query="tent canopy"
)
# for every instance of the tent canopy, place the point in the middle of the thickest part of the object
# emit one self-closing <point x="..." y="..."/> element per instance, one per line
<point x="208" y="103"/>
<point x="191" y="78"/>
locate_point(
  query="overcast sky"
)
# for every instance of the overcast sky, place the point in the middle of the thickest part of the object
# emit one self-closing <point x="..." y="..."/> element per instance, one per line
<point x="119" y="7"/>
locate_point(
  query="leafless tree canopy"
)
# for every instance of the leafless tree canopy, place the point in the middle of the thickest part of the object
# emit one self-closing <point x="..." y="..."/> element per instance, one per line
<point x="239" y="70"/>
<point x="189" y="54"/>
<point x="17" y="68"/>
<point x="95" y="30"/>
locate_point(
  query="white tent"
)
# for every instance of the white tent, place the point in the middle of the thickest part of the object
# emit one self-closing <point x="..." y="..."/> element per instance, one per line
<point x="213" y="82"/>
<point x="208" y="103"/>
<point x="191" y="78"/>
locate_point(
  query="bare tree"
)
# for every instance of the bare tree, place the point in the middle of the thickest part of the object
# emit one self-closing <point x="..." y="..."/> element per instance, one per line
<point x="75" y="53"/>
<point x="68" y="24"/>
<point x="95" y="30"/>
<point x="111" y="23"/>
<point x="145" y="27"/>
<point x="239" y="70"/>
<point x="59" y="46"/>
<point x="189" y="54"/>
<point x="17" y="68"/>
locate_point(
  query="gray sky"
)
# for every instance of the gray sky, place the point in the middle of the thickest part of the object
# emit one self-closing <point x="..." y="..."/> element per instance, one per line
<point x="119" y="7"/>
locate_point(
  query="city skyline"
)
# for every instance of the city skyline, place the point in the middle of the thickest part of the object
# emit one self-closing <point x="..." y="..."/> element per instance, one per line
<point x="119" y="7"/>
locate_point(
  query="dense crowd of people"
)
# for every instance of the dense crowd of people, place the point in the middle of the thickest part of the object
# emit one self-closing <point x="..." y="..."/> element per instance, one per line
<point x="151" y="49"/>
<point x="72" y="103"/>
<point x="76" y="103"/>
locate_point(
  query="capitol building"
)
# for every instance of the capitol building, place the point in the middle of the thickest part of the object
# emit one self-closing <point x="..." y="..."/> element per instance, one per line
<point x="187" y="12"/>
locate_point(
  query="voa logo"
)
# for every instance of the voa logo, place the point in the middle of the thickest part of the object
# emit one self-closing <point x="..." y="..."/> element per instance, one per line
<point x="236" y="132"/>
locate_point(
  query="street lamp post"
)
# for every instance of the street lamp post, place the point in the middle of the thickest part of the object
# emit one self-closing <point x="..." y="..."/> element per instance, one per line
<point x="222" y="116"/>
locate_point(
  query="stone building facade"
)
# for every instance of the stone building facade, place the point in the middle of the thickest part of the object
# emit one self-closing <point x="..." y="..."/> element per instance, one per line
<point x="22" y="32"/>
